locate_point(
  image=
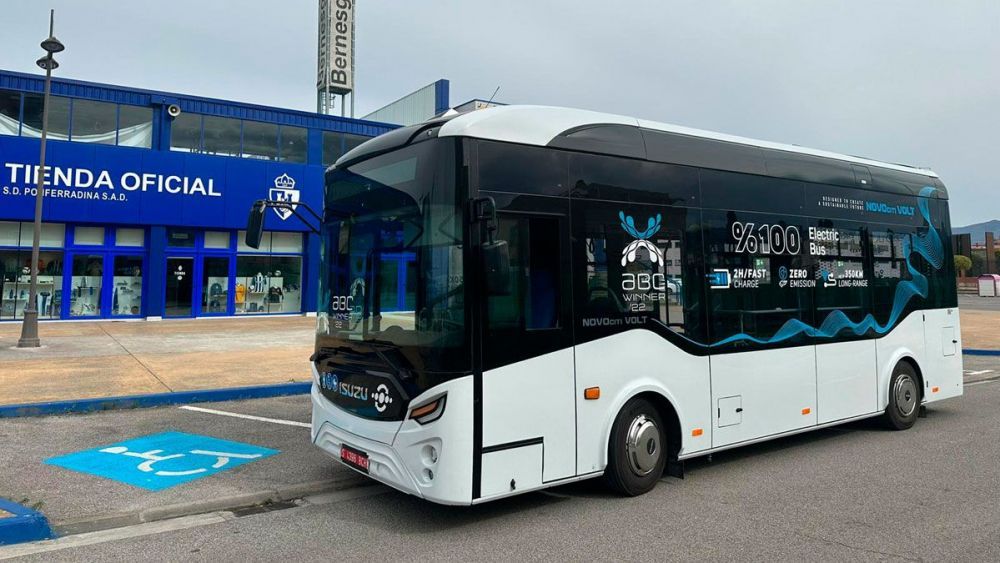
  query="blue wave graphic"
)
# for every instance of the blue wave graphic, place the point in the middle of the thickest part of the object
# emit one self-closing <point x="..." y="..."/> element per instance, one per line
<point x="927" y="246"/>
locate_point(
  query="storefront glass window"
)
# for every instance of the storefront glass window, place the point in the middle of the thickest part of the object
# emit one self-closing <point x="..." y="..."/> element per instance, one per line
<point x="260" y="140"/>
<point x="129" y="237"/>
<point x="185" y="133"/>
<point x="285" y="292"/>
<point x="333" y="147"/>
<point x="94" y="122"/>
<point x="265" y="242"/>
<point x="15" y="280"/>
<point x="9" y="233"/>
<point x="180" y="238"/>
<point x="286" y="242"/>
<point x="216" y="239"/>
<point x="53" y="235"/>
<point x="336" y="145"/>
<point x="268" y="284"/>
<point x="126" y="298"/>
<point x="10" y="109"/>
<point x="58" y="117"/>
<point x="88" y="275"/>
<point x="252" y="284"/>
<point x="135" y="126"/>
<point x="222" y="136"/>
<point x="215" y="286"/>
<point x="89" y="235"/>
<point x="293" y="144"/>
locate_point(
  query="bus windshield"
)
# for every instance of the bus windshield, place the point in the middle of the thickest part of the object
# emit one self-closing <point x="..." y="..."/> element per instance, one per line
<point x="391" y="273"/>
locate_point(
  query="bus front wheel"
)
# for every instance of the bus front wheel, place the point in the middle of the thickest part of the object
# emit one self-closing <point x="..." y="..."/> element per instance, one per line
<point x="637" y="450"/>
<point x="904" y="397"/>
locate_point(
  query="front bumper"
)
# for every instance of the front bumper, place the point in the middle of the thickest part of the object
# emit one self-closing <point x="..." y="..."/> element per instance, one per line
<point x="383" y="463"/>
<point x="432" y="461"/>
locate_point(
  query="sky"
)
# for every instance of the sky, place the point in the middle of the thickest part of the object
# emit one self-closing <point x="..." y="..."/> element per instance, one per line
<point x="909" y="81"/>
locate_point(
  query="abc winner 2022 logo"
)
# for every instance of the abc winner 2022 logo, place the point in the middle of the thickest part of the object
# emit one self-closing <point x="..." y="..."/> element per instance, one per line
<point x="631" y="251"/>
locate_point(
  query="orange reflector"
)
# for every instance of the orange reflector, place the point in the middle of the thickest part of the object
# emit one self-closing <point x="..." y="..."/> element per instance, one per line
<point x="697" y="432"/>
<point x="592" y="393"/>
<point x="935" y="389"/>
<point x="806" y="410"/>
<point x="426" y="409"/>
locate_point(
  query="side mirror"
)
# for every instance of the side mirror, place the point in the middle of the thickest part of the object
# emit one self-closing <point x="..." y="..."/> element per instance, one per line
<point x="496" y="253"/>
<point x="496" y="261"/>
<point x="255" y="224"/>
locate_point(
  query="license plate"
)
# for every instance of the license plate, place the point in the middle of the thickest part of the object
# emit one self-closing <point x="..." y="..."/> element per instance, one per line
<point x="355" y="458"/>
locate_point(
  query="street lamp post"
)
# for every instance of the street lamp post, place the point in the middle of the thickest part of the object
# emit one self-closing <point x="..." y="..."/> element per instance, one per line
<point x="29" y="328"/>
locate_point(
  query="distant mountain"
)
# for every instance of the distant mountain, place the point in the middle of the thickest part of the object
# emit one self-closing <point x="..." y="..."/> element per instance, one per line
<point x="978" y="231"/>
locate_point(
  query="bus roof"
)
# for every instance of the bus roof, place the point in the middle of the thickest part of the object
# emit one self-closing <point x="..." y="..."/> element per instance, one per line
<point x="541" y="125"/>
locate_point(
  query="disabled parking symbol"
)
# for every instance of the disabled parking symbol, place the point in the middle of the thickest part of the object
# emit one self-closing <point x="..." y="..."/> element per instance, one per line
<point x="161" y="461"/>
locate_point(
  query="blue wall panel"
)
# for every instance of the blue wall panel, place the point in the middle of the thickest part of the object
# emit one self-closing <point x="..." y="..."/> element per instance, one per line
<point x="156" y="271"/>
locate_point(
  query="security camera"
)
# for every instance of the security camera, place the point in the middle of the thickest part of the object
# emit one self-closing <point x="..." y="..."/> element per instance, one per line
<point x="173" y="110"/>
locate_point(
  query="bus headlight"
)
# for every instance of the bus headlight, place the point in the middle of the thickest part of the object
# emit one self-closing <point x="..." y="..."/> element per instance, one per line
<point x="429" y="411"/>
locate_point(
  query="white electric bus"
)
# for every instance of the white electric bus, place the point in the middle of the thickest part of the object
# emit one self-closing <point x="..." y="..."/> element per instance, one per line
<point x="520" y="297"/>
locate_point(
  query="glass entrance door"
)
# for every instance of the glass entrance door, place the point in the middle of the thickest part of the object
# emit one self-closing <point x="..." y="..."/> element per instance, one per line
<point x="179" y="288"/>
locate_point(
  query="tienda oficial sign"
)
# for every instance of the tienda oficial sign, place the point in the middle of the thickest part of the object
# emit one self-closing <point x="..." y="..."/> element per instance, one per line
<point x="85" y="183"/>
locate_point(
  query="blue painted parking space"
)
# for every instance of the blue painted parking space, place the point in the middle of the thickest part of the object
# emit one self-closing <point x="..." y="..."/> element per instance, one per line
<point x="164" y="460"/>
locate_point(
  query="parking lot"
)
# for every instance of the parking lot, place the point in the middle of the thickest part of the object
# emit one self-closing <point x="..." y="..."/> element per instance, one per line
<point x="197" y="479"/>
<point x="854" y="491"/>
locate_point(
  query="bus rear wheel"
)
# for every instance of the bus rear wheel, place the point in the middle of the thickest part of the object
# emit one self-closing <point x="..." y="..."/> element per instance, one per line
<point x="637" y="450"/>
<point x="904" y="398"/>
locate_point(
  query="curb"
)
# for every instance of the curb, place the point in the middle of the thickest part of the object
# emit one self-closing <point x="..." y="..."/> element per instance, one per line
<point x="19" y="524"/>
<point x="980" y="352"/>
<point x="154" y="400"/>
<point x="281" y="494"/>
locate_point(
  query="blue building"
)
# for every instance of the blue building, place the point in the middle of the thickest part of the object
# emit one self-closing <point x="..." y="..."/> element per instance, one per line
<point x="144" y="209"/>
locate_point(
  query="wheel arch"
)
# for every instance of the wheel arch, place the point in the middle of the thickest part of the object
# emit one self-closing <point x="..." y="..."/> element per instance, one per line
<point x="916" y="368"/>
<point x="665" y="406"/>
<point x="901" y="354"/>
<point x="671" y="421"/>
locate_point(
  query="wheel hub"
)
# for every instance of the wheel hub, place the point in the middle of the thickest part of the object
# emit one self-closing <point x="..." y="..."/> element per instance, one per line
<point x="905" y="395"/>
<point x="643" y="445"/>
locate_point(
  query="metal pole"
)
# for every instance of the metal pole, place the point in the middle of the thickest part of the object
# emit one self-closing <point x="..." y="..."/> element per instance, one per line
<point x="29" y="328"/>
<point x="354" y="55"/>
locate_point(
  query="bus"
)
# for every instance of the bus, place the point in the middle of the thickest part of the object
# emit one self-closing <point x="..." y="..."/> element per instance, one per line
<point x="522" y="296"/>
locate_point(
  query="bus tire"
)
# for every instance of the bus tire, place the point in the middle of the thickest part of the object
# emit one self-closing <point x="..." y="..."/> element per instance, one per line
<point x="904" y="397"/>
<point x="637" y="449"/>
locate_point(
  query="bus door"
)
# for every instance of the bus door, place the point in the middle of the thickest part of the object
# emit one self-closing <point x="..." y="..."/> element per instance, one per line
<point x="528" y="413"/>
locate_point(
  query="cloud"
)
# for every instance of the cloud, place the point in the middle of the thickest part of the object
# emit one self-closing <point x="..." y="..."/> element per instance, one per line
<point x="911" y="81"/>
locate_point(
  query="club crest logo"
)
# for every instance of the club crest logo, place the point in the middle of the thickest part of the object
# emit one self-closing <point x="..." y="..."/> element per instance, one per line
<point x="630" y="253"/>
<point x="284" y="190"/>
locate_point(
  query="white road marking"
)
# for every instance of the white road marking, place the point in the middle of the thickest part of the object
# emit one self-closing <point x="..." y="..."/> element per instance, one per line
<point x="116" y="534"/>
<point x="980" y="372"/>
<point x="247" y="416"/>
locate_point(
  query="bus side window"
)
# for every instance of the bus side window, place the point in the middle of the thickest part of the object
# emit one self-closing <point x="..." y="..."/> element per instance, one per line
<point x="637" y="261"/>
<point x="534" y="300"/>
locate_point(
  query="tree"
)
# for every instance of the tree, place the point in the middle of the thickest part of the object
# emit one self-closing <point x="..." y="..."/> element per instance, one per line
<point x="978" y="264"/>
<point x="962" y="264"/>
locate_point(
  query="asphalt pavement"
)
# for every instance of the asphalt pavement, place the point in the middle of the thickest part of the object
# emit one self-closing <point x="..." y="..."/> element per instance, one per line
<point x="855" y="492"/>
<point x="76" y="501"/>
<point x="976" y="303"/>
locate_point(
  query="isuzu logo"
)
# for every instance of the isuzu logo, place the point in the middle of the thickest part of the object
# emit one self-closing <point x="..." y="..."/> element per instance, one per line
<point x="364" y="394"/>
<point x="382" y="397"/>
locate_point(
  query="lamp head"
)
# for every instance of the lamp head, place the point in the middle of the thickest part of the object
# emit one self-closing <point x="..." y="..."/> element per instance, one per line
<point x="47" y="63"/>
<point x="52" y="45"/>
